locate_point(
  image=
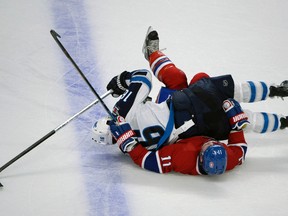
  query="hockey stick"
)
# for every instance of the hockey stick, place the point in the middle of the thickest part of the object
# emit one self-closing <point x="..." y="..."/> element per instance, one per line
<point x="51" y="133"/>
<point x="55" y="35"/>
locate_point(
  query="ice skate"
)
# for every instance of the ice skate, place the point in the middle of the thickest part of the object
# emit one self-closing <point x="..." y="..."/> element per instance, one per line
<point x="284" y="122"/>
<point x="151" y="43"/>
<point x="279" y="91"/>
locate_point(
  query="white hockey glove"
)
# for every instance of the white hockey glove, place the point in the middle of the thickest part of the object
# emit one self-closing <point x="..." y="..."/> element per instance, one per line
<point x="118" y="83"/>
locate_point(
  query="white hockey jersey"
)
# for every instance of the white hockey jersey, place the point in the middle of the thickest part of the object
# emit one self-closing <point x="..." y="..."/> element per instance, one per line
<point x="148" y="119"/>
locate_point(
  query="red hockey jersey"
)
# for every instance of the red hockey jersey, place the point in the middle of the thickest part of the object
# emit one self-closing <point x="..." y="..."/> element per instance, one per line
<point x="183" y="156"/>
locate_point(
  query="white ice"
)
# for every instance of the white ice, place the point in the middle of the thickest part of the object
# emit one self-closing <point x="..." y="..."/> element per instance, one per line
<point x="68" y="174"/>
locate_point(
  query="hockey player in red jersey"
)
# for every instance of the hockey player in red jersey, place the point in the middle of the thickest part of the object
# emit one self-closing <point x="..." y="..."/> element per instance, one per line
<point x="197" y="155"/>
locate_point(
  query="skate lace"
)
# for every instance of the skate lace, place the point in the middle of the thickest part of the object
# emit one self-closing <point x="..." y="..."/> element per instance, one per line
<point x="153" y="50"/>
<point x="150" y="47"/>
<point x="153" y="45"/>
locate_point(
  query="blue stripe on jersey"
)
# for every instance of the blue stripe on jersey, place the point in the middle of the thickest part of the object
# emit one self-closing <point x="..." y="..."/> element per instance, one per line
<point x="276" y="122"/>
<point x="253" y="91"/>
<point x="266" y="122"/>
<point x="141" y="72"/>
<point x="169" y="127"/>
<point x="143" y="80"/>
<point x="265" y="90"/>
<point x="151" y="163"/>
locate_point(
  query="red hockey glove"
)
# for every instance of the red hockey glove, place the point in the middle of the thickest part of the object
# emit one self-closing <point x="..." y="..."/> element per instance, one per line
<point x="237" y="118"/>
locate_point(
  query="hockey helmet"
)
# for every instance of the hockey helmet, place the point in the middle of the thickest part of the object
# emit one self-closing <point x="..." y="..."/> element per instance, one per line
<point x="213" y="158"/>
<point x="101" y="133"/>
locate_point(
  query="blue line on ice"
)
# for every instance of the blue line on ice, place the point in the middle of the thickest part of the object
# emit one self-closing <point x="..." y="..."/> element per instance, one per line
<point x="105" y="194"/>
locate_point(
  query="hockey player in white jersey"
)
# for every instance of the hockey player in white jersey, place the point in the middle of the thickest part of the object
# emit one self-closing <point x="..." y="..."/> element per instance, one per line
<point x="192" y="109"/>
<point x="161" y="123"/>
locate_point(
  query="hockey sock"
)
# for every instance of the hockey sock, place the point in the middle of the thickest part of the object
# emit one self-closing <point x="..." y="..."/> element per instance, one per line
<point x="251" y="91"/>
<point x="262" y="122"/>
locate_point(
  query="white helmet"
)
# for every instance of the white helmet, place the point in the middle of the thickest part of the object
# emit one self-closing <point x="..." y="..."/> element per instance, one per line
<point x="101" y="133"/>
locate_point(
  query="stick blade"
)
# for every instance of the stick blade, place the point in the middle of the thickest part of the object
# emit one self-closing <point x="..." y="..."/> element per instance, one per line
<point x="1" y="185"/>
<point x="54" y="34"/>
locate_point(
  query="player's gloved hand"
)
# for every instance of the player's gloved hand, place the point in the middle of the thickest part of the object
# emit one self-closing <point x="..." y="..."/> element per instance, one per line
<point x="124" y="136"/>
<point x="237" y="118"/>
<point x="118" y="84"/>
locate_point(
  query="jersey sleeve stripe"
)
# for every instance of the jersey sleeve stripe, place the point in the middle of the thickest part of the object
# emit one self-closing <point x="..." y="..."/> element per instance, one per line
<point x="158" y="162"/>
<point x="197" y="166"/>
<point x="144" y="159"/>
<point x="151" y="161"/>
<point x="142" y="79"/>
<point x="243" y="147"/>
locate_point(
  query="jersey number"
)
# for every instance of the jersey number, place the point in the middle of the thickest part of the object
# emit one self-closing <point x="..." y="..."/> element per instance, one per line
<point x="152" y="135"/>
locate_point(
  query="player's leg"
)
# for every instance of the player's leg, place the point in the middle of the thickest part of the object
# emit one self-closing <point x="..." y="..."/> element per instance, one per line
<point x="262" y="122"/>
<point x="166" y="72"/>
<point x="162" y="67"/>
<point x="252" y="91"/>
<point x="198" y="76"/>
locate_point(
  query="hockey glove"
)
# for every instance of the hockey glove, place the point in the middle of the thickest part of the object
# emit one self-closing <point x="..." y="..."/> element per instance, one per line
<point x="124" y="136"/>
<point x="118" y="84"/>
<point x="237" y="118"/>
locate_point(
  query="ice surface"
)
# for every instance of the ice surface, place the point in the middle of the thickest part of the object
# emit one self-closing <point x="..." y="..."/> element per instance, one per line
<point x="70" y="175"/>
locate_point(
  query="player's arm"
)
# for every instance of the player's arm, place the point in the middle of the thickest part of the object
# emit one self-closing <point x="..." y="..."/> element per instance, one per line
<point x="237" y="146"/>
<point x="150" y="160"/>
<point x="159" y="161"/>
<point x="236" y="149"/>
<point x="133" y="86"/>
<point x="180" y="157"/>
<point x="127" y="143"/>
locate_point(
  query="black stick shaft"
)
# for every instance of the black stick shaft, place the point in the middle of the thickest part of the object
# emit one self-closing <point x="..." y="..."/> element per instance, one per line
<point x="51" y="133"/>
<point x="55" y="35"/>
<point x="27" y="150"/>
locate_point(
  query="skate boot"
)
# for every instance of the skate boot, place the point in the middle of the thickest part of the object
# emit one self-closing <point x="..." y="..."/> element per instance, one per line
<point x="279" y="91"/>
<point x="284" y="122"/>
<point x="151" y="43"/>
